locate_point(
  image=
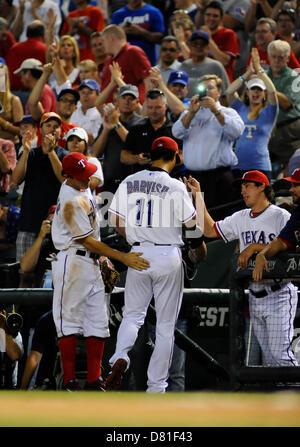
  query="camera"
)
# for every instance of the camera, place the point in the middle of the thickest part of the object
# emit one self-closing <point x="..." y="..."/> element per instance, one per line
<point x="14" y="321"/>
<point x="201" y="91"/>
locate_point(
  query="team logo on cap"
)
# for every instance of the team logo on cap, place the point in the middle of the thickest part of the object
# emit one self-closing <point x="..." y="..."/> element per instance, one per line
<point x="82" y="163"/>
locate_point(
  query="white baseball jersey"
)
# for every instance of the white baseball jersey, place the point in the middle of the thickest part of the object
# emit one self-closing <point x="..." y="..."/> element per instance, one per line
<point x="261" y="229"/>
<point x="272" y="315"/>
<point x="153" y="206"/>
<point x="80" y="305"/>
<point x="75" y="218"/>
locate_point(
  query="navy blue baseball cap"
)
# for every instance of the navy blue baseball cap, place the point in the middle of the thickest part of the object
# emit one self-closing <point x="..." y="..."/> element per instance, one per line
<point x="90" y="83"/>
<point x="200" y="34"/>
<point x="178" y="77"/>
<point x="71" y="91"/>
<point x="25" y="119"/>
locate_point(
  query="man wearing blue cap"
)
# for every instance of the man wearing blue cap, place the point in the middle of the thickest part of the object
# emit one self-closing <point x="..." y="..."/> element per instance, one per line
<point x="178" y="83"/>
<point x="87" y="115"/>
<point x="199" y="64"/>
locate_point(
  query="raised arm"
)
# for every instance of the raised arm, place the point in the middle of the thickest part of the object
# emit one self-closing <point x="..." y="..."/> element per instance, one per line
<point x="20" y="170"/>
<point x="35" y="105"/>
<point x="29" y="261"/>
<point x="174" y="103"/>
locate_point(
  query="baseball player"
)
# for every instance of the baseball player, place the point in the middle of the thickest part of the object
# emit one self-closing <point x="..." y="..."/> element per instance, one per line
<point x="272" y="305"/>
<point x="79" y="302"/>
<point x="289" y="237"/>
<point x="149" y="209"/>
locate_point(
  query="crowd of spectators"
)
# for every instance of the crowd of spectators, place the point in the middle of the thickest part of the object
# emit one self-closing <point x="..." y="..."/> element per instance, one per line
<point x="220" y="77"/>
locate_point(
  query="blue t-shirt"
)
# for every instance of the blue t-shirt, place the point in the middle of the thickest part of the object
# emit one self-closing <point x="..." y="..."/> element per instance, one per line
<point x="252" y="147"/>
<point x="291" y="231"/>
<point x="149" y="18"/>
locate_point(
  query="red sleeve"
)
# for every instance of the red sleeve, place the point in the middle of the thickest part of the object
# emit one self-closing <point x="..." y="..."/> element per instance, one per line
<point x="287" y="243"/>
<point x="96" y="22"/>
<point x="65" y="27"/>
<point x="48" y="100"/>
<point x="217" y="231"/>
<point x="293" y="62"/>
<point x="140" y="63"/>
<point x="230" y="44"/>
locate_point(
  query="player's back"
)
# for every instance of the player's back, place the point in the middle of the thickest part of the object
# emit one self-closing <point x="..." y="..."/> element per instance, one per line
<point x="153" y="206"/>
<point x="75" y="217"/>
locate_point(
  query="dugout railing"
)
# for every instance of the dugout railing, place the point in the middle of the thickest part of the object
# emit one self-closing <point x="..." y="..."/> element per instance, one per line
<point x="283" y="266"/>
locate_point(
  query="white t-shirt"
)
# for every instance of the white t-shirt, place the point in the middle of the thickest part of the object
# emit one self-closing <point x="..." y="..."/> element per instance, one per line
<point x="75" y="217"/>
<point x="153" y="206"/>
<point x="99" y="173"/>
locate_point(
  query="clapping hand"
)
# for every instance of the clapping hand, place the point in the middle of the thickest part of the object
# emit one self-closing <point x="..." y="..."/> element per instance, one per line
<point x="111" y="115"/>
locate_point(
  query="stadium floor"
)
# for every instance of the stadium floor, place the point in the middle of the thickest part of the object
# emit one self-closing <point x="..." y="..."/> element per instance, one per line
<point x="128" y="409"/>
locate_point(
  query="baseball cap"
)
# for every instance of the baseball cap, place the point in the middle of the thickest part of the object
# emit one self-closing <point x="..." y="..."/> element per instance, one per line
<point x="129" y="89"/>
<point x="295" y="177"/>
<point x="256" y="82"/>
<point x="178" y="77"/>
<point x="49" y="116"/>
<point x="166" y="143"/>
<point x="254" y="176"/>
<point x="76" y="165"/>
<point x="71" y="91"/>
<point x="90" y="83"/>
<point x="30" y="64"/>
<point x="78" y="132"/>
<point x="25" y="119"/>
<point x="200" y="34"/>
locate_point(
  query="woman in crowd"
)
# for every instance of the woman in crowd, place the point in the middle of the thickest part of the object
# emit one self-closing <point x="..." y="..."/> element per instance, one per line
<point x="259" y="110"/>
<point x="77" y="141"/>
<point x="11" y="109"/>
<point x="68" y="52"/>
<point x="181" y="26"/>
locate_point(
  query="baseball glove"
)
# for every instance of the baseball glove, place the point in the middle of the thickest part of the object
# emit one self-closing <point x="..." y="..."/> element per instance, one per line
<point x="110" y="275"/>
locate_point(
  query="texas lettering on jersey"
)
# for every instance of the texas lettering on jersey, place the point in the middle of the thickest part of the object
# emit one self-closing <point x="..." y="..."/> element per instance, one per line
<point x="257" y="237"/>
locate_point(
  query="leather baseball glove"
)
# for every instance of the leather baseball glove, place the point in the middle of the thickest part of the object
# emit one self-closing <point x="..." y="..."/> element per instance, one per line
<point x="110" y="275"/>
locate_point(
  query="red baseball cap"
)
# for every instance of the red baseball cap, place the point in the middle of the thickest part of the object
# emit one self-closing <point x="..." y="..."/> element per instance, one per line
<point x="254" y="176"/>
<point x="295" y="177"/>
<point x="166" y="143"/>
<point x="76" y="165"/>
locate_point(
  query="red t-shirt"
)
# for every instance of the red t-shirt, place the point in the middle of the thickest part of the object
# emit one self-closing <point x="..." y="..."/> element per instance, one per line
<point x="31" y="48"/>
<point x="135" y="67"/>
<point x="265" y="63"/>
<point x="91" y="17"/>
<point x="47" y="99"/>
<point x="65" y="127"/>
<point x="6" y="43"/>
<point x="227" y="41"/>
